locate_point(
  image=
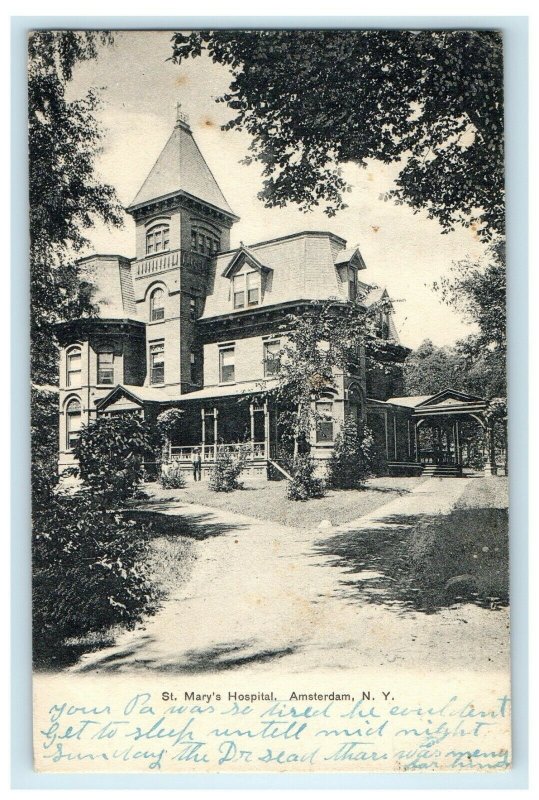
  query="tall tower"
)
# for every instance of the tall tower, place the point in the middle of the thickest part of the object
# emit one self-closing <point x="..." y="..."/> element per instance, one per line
<point x="182" y="221"/>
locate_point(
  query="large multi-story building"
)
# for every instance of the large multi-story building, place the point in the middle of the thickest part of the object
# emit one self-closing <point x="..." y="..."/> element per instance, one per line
<point x="191" y="323"/>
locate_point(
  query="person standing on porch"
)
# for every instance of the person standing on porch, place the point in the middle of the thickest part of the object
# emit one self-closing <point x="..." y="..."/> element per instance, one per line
<point x="196" y="460"/>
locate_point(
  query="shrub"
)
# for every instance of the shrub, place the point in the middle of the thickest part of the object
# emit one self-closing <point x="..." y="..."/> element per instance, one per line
<point x="171" y="476"/>
<point x="352" y="458"/>
<point x="304" y="484"/>
<point x="90" y="572"/>
<point x="111" y="452"/>
<point x="225" y="472"/>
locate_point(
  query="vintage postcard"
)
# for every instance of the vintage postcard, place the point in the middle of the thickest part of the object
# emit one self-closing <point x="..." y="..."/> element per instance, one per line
<point x="269" y="452"/>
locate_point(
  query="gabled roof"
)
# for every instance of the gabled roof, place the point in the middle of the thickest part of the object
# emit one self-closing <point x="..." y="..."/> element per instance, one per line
<point x="138" y="395"/>
<point x="450" y="397"/>
<point x="350" y="256"/>
<point x="242" y="255"/>
<point x="181" y="167"/>
<point x="446" y="399"/>
<point x="375" y="295"/>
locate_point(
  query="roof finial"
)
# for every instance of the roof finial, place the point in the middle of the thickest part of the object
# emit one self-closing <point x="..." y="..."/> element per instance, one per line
<point x="181" y="116"/>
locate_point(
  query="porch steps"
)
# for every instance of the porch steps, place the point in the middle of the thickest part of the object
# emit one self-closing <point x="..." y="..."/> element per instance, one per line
<point x="280" y="469"/>
<point x="442" y="471"/>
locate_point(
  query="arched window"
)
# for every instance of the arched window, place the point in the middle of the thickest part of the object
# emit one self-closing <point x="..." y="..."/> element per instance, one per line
<point x="73" y="422"/>
<point x="157" y="239"/>
<point x="157" y="305"/>
<point x="204" y="240"/>
<point x="73" y="367"/>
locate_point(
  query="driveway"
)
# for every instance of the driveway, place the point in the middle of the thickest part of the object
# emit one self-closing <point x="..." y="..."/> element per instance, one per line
<point x="266" y="597"/>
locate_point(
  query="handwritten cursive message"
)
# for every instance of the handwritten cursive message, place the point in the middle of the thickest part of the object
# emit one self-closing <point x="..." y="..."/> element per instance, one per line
<point x="183" y="729"/>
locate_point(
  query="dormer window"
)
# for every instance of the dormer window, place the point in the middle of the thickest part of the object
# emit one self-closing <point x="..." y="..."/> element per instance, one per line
<point x="157" y="305"/>
<point x="157" y="239"/>
<point x="246" y="289"/>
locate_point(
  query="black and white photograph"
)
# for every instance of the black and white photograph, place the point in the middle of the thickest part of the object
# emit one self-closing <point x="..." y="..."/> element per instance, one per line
<point x="269" y="406"/>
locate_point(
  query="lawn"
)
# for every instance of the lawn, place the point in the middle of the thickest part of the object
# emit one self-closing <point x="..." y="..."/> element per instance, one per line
<point x="268" y="501"/>
<point x="425" y="563"/>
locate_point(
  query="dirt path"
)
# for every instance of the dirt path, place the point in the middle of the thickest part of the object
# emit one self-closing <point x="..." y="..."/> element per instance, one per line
<point x="266" y="597"/>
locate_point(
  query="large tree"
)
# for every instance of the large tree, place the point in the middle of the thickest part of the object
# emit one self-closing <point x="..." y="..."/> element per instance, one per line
<point x="66" y="195"/>
<point x="432" y="101"/>
<point x="477" y="290"/>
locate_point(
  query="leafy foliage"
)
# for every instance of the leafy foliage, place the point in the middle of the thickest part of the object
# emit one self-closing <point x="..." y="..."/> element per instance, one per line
<point x="225" y="472"/>
<point x="168" y="422"/>
<point x="430" y="101"/>
<point x="44" y="437"/>
<point x="89" y="572"/>
<point x="111" y="452"/>
<point x="66" y="196"/>
<point x="430" y="369"/>
<point x="325" y="338"/>
<point x="171" y="476"/>
<point x="304" y="483"/>
<point x="478" y="290"/>
<point x="352" y="458"/>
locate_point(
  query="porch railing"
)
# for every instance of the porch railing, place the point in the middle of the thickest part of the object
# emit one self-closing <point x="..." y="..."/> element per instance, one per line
<point x="437" y="457"/>
<point x="252" y="450"/>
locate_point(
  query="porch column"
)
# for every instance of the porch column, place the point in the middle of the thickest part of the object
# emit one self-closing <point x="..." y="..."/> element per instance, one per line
<point x="395" y="434"/>
<point x="215" y="413"/>
<point x="457" y="442"/>
<point x="266" y="430"/>
<point x="252" y="415"/>
<point x="409" y="439"/>
<point x="387" y="434"/>
<point x="203" y="416"/>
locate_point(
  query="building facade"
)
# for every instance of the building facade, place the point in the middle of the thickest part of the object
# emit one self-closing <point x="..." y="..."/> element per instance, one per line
<point x="193" y="324"/>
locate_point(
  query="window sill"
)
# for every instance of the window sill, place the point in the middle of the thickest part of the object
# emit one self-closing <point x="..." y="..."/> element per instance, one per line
<point x="160" y="253"/>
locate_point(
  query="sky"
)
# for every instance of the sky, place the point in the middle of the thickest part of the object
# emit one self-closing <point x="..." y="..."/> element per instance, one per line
<point x="140" y="88"/>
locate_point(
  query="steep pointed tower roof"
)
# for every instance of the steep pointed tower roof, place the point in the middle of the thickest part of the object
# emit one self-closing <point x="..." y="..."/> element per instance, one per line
<point x="181" y="168"/>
